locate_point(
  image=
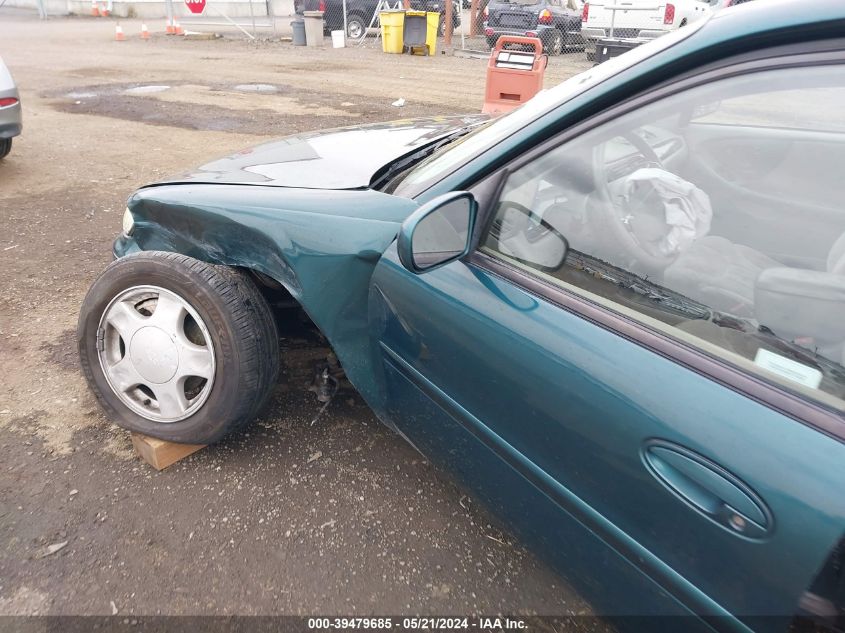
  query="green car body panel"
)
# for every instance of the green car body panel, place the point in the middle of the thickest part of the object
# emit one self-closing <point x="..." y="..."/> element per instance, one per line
<point x="459" y="360"/>
<point x="324" y="259"/>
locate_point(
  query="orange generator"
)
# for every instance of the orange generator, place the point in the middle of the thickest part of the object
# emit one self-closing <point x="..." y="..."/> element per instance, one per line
<point x="513" y="76"/>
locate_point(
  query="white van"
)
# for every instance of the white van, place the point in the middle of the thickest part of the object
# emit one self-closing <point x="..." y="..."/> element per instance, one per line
<point x="638" y="19"/>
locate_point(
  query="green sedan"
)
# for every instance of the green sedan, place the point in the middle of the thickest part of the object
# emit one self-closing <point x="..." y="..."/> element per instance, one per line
<point x="617" y="314"/>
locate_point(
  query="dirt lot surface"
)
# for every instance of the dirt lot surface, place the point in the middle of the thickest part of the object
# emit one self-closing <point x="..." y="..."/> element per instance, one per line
<point x="339" y="516"/>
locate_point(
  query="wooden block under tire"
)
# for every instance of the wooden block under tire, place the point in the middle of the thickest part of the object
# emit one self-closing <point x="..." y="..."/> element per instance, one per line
<point x="160" y="453"/>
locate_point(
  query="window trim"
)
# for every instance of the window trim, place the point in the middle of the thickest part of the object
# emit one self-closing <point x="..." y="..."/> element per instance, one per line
<point x="756" y="387"/>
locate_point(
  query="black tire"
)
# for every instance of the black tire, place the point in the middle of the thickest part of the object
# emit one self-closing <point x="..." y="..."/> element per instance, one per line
<point x="5" y="147"/>
<point x="356" y="24"/>
<point x="553" y="43"/>
<point x="491" y="41"/>
<point x="240" y="324"/>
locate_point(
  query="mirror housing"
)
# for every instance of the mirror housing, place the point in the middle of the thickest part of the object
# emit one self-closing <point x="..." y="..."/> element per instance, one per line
<point x="535" y="242"/>
<point x="437" y="233"/>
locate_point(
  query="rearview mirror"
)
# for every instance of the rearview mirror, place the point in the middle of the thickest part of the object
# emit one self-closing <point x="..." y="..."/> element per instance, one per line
<point x="438" y="232"/>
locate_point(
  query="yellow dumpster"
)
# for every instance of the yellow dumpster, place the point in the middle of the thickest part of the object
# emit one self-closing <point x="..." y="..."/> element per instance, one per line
<point x="392" y="25"/>
<point x="419" y="33"/>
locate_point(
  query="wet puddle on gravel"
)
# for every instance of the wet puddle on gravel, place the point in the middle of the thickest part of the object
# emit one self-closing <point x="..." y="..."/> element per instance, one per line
<point x="247" y="108"/>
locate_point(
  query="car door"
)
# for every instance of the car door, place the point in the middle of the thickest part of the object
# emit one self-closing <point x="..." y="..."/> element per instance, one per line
<point x="667" y="457"/>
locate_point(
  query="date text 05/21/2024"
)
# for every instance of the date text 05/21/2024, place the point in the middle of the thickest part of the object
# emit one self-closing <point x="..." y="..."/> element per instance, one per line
<point x="417" y="623"/>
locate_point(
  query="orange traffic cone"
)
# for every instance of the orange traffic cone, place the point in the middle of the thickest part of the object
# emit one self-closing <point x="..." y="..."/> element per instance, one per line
<point x="118" y="34"/>
<point x="145" y="32"/>
<point x="104" y="11"/>
<point x="170" y="29"/>
<point x="177" y="28"/>
<point x="95" y="12"/>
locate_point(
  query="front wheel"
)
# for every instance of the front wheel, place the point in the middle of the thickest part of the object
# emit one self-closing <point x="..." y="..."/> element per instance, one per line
<point x="553" y="43"/>
<point x="356" y="29"/>
<point x="5" y="147"/>
<point x="177" y="348"/>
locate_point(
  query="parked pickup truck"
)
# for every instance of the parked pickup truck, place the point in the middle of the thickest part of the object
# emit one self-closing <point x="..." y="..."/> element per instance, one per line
<point x="638" y="19"/>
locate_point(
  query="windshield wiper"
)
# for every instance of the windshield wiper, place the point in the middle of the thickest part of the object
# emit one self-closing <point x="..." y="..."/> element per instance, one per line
<point x="384" y="175"/>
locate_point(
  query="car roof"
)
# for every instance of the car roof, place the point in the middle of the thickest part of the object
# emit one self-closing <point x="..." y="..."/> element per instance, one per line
<point x="765" y="16"/>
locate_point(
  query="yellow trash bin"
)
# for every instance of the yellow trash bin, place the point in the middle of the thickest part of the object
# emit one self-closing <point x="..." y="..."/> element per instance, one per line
<point x="392" y="25"/>
<point x="420" y="31"/>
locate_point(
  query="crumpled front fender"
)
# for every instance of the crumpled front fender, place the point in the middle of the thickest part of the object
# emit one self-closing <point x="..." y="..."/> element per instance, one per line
<point x="321" y="246"/>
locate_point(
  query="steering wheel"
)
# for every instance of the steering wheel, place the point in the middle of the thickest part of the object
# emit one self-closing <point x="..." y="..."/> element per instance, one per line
<point x="616" y="222"/>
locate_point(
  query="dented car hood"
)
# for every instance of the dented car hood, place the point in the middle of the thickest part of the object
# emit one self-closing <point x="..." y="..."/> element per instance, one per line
<point x="343" y="158"/>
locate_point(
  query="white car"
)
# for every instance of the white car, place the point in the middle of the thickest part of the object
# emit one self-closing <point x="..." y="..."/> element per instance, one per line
<point x="638" y="20"/>
<point x="10" y="110"/>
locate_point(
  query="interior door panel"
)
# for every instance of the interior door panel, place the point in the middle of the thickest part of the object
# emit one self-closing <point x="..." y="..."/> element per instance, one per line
<point x="763" y="176"/>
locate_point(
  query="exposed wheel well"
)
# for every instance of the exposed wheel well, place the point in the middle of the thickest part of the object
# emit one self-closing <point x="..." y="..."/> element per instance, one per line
<point x="286" y="309"/>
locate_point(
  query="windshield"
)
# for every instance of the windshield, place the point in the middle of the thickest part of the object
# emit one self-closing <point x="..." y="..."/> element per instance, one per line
<point x="458" y="153"/>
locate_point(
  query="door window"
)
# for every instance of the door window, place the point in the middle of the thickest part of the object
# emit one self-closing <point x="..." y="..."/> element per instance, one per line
<point x="714" y="215"/>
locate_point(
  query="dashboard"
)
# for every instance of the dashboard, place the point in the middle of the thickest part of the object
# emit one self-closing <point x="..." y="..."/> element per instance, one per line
<point x="622" y="158"/>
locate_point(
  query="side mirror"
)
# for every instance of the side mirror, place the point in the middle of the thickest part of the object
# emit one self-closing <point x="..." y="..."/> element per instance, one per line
<point x="437" y="233"/>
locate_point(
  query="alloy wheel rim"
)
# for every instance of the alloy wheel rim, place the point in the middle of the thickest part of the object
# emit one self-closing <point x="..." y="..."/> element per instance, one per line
<point x="156" y="353"/>
<point x="355" y="30"/>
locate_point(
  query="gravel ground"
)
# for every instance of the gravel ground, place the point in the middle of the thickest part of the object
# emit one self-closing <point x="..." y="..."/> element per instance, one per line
<point x="288" y="517"/>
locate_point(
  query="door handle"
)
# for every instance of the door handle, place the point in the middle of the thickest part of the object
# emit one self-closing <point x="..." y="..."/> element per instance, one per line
<point x="709" y="489"/>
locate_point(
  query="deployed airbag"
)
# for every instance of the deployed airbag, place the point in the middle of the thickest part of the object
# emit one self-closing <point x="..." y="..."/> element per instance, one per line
<point x="686" y="208"/>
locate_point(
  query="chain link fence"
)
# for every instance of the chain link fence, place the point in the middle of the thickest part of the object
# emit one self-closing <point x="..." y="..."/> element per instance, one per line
<point x="475" y="24"/>
<point x="248" y="16"/>
<point x="360" y="18"/>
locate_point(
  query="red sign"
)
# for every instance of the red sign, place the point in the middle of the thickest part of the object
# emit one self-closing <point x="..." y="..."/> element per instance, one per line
<point x="195" y="6"/>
